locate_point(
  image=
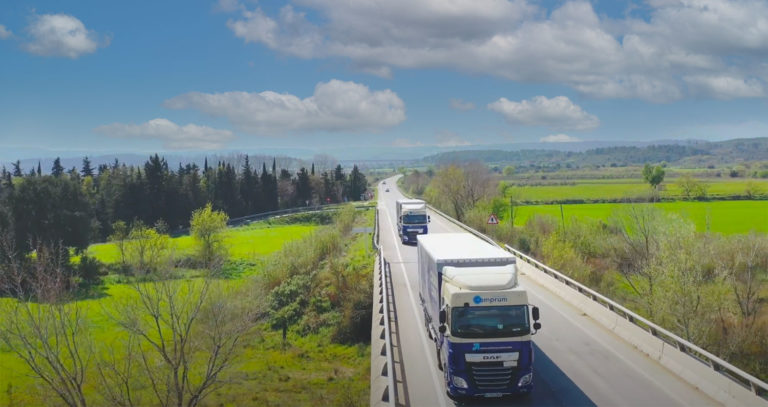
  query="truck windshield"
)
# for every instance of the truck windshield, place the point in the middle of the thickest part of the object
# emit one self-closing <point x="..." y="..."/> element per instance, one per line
<point x="414" y="219"/>
<point x="490" y="322"/>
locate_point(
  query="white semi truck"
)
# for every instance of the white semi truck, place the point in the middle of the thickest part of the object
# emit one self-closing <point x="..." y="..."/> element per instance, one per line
<point x="478" y="316"/>
<point x="412" y="219"/>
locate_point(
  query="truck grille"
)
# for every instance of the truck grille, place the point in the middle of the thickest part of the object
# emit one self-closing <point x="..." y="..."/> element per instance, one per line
<point x="491" y="375"/>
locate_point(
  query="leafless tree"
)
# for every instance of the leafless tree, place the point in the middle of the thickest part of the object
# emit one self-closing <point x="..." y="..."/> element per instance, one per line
<point x="43" y="327"/>
<point x="744" y="264"/>
<point x="188" y="334"/>
<point x="460" y="187"/>
<point x="478" y="183"/>
<point x="641" y="232"/>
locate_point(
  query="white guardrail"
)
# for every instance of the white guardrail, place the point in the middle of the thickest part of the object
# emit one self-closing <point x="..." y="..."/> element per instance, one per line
<point x="714" y="376"/>
<point x="383" y="389"/>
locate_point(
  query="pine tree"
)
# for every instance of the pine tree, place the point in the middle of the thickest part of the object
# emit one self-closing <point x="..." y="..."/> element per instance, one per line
<point x="357" y="184"/>
<point x="303" y="187"/>
<point x="57" y="169"/>
<point x="87" y="171"/>
<point x="39" y="171"/>
<point x="17" y="169"/>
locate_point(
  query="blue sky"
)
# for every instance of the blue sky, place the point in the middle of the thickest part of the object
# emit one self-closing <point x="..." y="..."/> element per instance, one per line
<point x="94" y="77"/>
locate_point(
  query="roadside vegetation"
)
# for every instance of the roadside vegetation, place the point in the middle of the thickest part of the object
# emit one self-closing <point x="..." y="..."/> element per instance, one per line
<point x="691" y="263"/>
<point x="274" y="312"/>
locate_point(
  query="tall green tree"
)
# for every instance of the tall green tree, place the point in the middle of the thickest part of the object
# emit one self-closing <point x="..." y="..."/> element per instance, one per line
<point x="86" y="169"/>
<point x="303" y="188"/>
<point x="653" y="175"/>
<point x="207" y="227"/>
<point x="358" y="184"/>
<point x="50" y="211"/>
<point x="17" y="169"/>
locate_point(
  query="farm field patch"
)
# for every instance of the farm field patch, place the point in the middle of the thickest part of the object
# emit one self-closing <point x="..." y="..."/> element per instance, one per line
<point x="727" y="217"/>
<point x="625" y="188"/>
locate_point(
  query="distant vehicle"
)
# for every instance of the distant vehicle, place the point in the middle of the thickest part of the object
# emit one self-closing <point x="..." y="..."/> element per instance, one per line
<point x="384" y="182"/>
<point x="477" y="314"/>
<point x="412" y="219"/>
<point x="386" y="190"/>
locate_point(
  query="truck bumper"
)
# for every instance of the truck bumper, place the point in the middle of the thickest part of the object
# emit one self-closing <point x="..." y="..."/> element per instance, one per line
<point x="471" y="391"/>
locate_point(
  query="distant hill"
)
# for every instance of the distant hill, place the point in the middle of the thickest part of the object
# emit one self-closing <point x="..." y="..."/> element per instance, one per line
<point x="695" y="153"/>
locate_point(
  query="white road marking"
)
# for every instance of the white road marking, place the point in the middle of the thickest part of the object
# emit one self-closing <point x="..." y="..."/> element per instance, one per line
<point x="417" y="311"/>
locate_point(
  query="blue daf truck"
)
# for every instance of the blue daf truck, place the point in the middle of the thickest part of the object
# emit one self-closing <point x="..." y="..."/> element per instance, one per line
<point x="412" y="219"/>
<point x="477" y="315"/>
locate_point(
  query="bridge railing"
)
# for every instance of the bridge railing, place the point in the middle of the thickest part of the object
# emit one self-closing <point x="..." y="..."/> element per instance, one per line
<point x="749" y="382"/>
<point x="383" y="389"/>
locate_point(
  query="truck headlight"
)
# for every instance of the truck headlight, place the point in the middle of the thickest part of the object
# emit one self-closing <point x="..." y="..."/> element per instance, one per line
<point x="525" y="380"/>
<point x="459" y="382"/>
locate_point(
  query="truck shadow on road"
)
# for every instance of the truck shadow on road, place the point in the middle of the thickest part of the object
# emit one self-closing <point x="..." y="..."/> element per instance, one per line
<point x="552" y="387"/>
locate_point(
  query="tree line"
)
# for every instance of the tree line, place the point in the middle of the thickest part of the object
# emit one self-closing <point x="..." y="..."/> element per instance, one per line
<point x="78" y="206"/>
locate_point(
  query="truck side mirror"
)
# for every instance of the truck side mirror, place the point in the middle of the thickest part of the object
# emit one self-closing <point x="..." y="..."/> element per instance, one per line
<point x="535" y="313"/>
<point x="537" y="325"/>
<point x="429" y="219"/>
<point x="441" y="317"/>
<point x="442" y="329"/>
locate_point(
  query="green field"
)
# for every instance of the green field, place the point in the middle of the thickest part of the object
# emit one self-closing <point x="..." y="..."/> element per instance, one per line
<point x="313" y="369"/>
<point x="624" y="188"/>
<point x="728" y="217"/>
<point x="244" y="243"/>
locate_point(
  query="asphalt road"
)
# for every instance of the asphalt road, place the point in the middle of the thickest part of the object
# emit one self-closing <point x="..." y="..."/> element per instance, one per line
<point x="577" y="361"/>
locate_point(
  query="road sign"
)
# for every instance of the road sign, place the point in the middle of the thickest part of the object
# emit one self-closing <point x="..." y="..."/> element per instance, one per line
<point x="493" y="220"/>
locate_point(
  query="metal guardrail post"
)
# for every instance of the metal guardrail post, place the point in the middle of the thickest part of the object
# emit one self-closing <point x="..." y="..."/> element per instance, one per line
<point x="392" y="398"/>
<point x="381" y="318"/>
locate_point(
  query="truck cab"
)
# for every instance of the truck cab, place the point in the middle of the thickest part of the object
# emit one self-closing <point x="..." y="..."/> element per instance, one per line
<point x="478" y="316"/>
<point x="412" y="219"/>
<point x="485" y="332"/>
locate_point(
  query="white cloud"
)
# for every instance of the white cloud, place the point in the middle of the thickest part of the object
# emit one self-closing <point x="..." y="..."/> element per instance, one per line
<point x="173" y="136"/>
<point x="725" y="87"/>
<point x="559" y="138"/>
<point x="459" y="104"/>
<point x="335" y="106"/>
<point x="556" y="113"/>
<point x="4" y="32"/>
<point x="61" y="35"/>
<point x="570" y="44"/>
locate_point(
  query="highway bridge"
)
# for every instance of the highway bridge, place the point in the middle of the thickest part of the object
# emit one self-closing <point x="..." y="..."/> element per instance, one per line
<point x="579" y="361"/>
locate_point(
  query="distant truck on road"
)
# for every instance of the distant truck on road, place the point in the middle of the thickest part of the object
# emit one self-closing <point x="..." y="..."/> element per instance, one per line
<point x="412" y="219"/>
<point x="477" y="315"/>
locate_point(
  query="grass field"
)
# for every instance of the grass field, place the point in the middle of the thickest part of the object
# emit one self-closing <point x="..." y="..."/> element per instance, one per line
<point x="624" y="188"/>
<point x="312" y="370"/>
<point x="244" y="243"/>
<point x="727" y="217"/>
